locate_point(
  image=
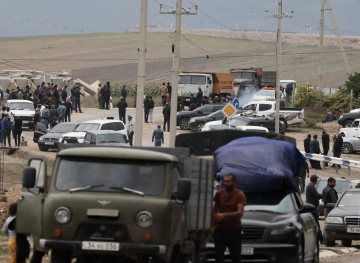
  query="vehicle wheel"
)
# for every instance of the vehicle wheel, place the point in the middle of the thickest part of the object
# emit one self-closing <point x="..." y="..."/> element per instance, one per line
<point x="43" y="149"/>
<point x="300" y="254"/>
<point x="347" y="147"/>
<point x="346" y="242"/>
<point x="60" y="256"/>
<point x="347" y="124"/>
<point x="329" y="243"/>
<point x="342" y="134"/>
<point x="199" y="126"/>
<point x="184" y="124"/>
<point x="316" y="253"/>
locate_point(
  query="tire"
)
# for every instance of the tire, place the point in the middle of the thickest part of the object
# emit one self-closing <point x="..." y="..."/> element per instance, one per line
<point x="316" y="258"/>
<point x="199" y="126"/>
<point x="60" y="256"/>
<point x="347" y="124"/>
<point x="328" y="243"/>
<point x="342" y="134"/>
<point x="43" y="149"/>
<point x="347" y="148"/>
<point x="184" y="123"/>
<point x="300" y="254"/>
<point x="346" y="242"/>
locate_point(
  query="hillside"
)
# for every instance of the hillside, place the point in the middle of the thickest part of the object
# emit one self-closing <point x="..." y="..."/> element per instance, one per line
<point x="113" y="57"/>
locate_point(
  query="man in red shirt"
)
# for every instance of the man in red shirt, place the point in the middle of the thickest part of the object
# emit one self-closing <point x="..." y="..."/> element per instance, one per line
<point x="226" y="220"/>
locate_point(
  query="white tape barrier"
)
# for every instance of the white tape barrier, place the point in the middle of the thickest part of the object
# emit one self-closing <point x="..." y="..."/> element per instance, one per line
<point x="334" y="160"/>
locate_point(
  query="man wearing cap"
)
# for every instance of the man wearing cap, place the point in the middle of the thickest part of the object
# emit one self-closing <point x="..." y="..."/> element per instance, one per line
<point x="64" y="93"/>
<point x="158" y="135"/>
<point x="130" y="130"/>
<point x="312" y="197"/>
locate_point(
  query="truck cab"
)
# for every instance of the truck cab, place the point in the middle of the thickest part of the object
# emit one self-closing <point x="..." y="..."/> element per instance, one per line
<point x="246" y="78"/>
<point x="189" y="83"/>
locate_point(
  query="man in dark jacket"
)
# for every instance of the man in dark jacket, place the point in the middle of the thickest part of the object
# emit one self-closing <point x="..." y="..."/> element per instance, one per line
<point x="50" y="102"/>
<point x="304" y="170"/>
<point x="13" y="95"/>
<point x="56" y="96"/>
<point x="146" y="109"/>
<point x="337" y="148"/>
<point x="307" y="143"/>
<point x="315" y="148"/>
<point x="64" y="93"/>
<point x="123" y="91"/>
<point x="199" y="96"/>
<point x="326" y="144"/>
<point x="180" y="105"/>
<point x="166" y="113"/>
<point x="312" y="197"/>
<point x="53" y="114"/>
<point x="169" y="88"/>
<point x="122" y="105"/>
<point x="77" y="93"/>
<point x="103" y="95"/>
<point x="107" y="95"/>
<point x="69" y="110"/>
<point x="329" y="195"/>
<point x="158" y="135"/>
<point x="192" y="106"/>
<point x="152" y="106"/>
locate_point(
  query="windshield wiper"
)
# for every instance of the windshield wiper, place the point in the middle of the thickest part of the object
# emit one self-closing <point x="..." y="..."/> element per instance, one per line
<point x="85" y="188"/>
<point x="128" y="190"/>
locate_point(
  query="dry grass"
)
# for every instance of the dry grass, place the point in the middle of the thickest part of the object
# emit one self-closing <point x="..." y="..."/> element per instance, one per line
<point x="91" y="102"/>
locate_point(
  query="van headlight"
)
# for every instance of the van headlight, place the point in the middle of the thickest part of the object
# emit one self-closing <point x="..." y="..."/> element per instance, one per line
<point x="62" y="215"/>
<point x="60" y="139"/>
<point x="334" y="220"/>
<point x="41" y="139"/>
<point x="144" y="219"/>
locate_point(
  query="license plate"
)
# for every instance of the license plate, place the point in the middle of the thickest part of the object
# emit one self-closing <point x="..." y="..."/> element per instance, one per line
<point x="104" y="246"/>
<point x="353" y="229"/>
<point x="49" y="143"/>
<point x="187" y="99"/>
<point x="244" y="251"/>
<point x="25" y="122"/>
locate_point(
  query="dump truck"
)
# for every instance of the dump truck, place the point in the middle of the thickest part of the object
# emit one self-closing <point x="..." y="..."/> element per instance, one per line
<point x="212" y="84"/>
<point x="253" y="78"/>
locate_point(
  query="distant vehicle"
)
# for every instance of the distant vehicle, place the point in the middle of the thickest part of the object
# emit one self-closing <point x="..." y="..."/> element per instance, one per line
<point x="355" y="110"/>
<point x="211" y="84"/>
<point x="183" y="117"/>
<point x="50" y="140"/>
<point x="352" y="131"/>
<point x="288" y="116"/>
<point x="266" y="94"/>
<point x="350" y="145"/>
<point x="342" y="223"/>
<point x="23" y="109"/>
<point x="342" y="184"/>
<point x="252" y="128"/>
<point x="78" y="135"/>
<point x="346" y="119"/>
<point x="253" y="77"/>
<point x="248" y="121"/>
<point x="115" y="138"/>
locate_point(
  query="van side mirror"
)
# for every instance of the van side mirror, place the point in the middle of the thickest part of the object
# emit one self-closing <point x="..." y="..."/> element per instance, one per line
<point x="184" y="189"/>
<point x="29" y="177"/>
<point x="330" y="205"/>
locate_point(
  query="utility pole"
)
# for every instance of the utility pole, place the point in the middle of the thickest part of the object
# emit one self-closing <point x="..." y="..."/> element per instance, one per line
<point x="279" y="16"/>
<point x="321" y="50"/>
<point x="141" y="74"/>
<point x="176" y="63"/>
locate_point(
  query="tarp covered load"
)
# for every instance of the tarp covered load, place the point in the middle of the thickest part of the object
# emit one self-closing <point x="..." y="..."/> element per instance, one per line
<point x="259" y="164"/>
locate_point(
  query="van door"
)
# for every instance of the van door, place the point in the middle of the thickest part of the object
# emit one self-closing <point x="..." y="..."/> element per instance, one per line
<point x="30" y="205"/>
<point x="353" y="131"/>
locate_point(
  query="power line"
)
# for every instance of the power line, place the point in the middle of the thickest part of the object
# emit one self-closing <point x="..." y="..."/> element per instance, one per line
<point x="232" y="12"/>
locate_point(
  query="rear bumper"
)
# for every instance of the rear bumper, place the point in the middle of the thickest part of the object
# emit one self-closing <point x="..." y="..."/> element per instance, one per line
<point x="124" y="248"/>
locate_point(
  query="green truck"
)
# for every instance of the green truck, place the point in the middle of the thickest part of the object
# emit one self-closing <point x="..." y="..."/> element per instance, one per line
<point x="106" y="204"/>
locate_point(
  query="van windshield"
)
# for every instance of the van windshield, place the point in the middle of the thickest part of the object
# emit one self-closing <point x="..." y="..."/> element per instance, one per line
<point x="146" y="177"/>
<point x="84" y="127"/>
<point x="21" y="106"/>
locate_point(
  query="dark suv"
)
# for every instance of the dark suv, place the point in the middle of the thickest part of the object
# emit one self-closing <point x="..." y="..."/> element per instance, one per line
<point x="183" y="117"/>
<point x="249" y="121"/>
<point x="346" y="119"/>
<point x="342" y="184"/>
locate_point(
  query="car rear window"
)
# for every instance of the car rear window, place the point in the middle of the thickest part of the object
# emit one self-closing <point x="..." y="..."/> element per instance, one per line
<point x="341" y="186"/>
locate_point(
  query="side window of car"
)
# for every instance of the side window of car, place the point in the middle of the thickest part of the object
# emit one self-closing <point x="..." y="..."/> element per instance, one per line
<point x="207" y="110"/>
<point x="120" y="126"/>
<point x="113" y="126"/>
<point x="105" y="126"/>
<point x="355" y="124"/>
<point x="93" y="138"/>
<point x="250" y="107"/>
<point x="264" y="107"/>
<point x="253" y="123"/>
<point x="87" y="137"/>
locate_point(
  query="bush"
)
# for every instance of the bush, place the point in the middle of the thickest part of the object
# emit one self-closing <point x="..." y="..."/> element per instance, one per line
<point x="307" y="97"/>
<point x="340" y="101"/>
<point x="313" y="118"/>
<point x="152" y="89"/>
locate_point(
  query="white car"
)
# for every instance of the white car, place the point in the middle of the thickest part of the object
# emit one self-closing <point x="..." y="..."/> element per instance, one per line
<point x="24" y="109"/>
<point x="78" y="135"/>
<point x="207" y="125"/>
<point x="252" y="128"/>
<point x="353" y="131"/>
<point x="265" y="95"/>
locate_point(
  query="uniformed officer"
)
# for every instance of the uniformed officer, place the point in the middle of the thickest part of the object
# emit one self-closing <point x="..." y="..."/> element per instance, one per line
<point x="130" y="130"/>
<point x="158" y="135"/>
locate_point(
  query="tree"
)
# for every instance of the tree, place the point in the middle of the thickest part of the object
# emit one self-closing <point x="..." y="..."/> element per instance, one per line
<point x="353" y="83"/>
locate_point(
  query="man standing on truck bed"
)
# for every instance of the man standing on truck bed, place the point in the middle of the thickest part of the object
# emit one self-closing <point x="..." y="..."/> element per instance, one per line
<point x="226" y="220"/>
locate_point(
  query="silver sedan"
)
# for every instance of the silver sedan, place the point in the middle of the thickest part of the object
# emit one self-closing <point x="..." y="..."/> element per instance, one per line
<point x="351" y="144"/>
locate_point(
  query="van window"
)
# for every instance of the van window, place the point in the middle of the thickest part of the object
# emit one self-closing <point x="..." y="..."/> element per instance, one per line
<point x="355" y="124"/>
<point x="105" y="126"/>
<point x="88" y="137"/>
<point x="113" y="126"/>
<point x="120" y="126"/>
<point x="264" y="107"/>
<point x="250" y="107"/>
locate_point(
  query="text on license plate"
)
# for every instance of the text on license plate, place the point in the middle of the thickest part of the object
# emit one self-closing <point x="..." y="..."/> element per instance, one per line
<point x="244" y="251"/>
<point x="105" y="246"/>
<point x="49" y="143"/>
<point x="353" y="229"/>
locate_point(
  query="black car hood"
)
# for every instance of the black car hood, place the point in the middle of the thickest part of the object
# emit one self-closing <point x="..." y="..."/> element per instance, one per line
<point x="52" y="135"/>
<point x="264" y="218"/>
<point x="345" y="211"/>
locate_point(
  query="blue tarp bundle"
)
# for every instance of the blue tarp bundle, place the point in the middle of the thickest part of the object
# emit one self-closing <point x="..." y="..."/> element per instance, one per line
<point x="259" y="164"/>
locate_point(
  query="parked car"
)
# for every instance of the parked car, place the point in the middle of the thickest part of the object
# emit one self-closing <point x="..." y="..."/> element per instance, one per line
<point x="78" y="135"/>
<point x="249" y="121"/>
<point x="115" y="138"/>
<point x="197" y="123"/>
<point x="350" y="144"/>
<point x="342" y="184"/>
<point x="352" y="131"/>
<point x="183" y="117"/>
<point x="343" y="222"/>
<point x="50" y="140"/>
<point x="23" y="109"/>
<point x="276" y="227"/>
<point x="346" y="119"/>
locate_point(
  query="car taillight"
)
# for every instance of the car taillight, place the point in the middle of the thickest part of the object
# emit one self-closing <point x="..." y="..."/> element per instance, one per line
<point x="300" y="115"/>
